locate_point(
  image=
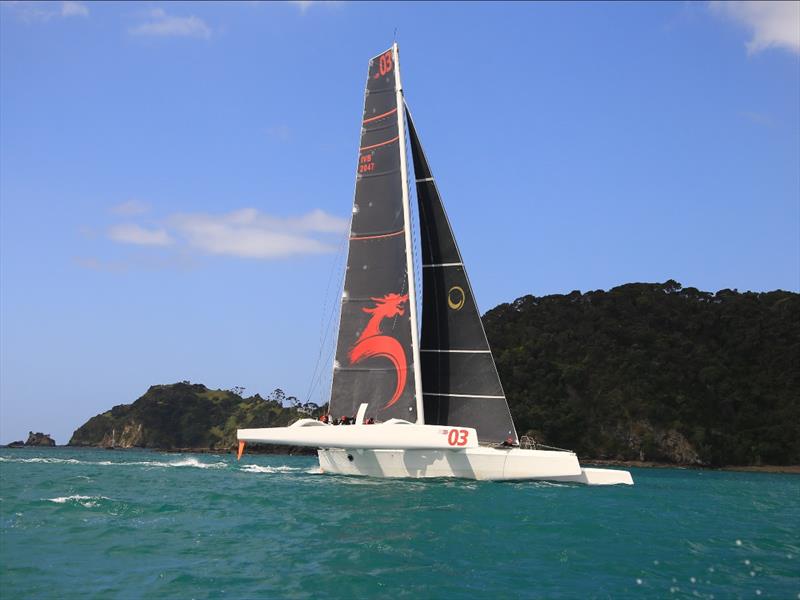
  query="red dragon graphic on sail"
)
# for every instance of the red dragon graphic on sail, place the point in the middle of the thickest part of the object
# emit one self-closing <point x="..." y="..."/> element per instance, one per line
<point x="373" y="344"/>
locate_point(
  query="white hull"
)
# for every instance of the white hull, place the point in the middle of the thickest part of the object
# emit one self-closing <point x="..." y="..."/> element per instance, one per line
<point x="389" y="435"/>
<point x="401" y="449"/>
<point x="495" y="464"/>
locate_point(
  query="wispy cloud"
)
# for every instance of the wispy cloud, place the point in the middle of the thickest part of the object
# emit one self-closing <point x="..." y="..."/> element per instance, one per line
<point x="131" y="233"/>
<point x="281" y="133"/>
<point x="244" y="233"/>
<point x="249" y="233"/>
<point x="757" y="118"/>
<point x="140" y="262"/>
<point x="42" y="11"/>
<point x="773" y="24"/>
<point x="305" y="5"/>
<point x="161" y="24"/>
<point x="74" y="9"/>
<point x="130" y="208"/>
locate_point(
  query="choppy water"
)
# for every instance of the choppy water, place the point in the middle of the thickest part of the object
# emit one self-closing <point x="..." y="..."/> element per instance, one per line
<point x="104" y="524"/>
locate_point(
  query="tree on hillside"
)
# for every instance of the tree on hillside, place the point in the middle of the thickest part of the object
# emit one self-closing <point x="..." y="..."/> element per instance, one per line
<point x="277" y="396"/>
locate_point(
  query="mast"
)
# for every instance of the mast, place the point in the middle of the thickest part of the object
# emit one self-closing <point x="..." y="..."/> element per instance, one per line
<point x="412" y="294"/>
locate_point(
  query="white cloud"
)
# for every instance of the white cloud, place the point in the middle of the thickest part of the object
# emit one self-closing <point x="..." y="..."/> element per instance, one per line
<point x="244" y="233"/>
<point x="146" y="262"/>
<point x="318" y="220"/>
<point x="95" y="264"/>
<point x="756" y="117"/>
<point x="304" y="5"/>
<point x="130" y="208"/>
<point x="74" y="9"/>
<point x="773" y="24"/>
<point x="160" y="24"/>
<point x="282" y="133"/>
<point x="130" y="233"/>
<point x="248" y="233"/>
<point x="41" y="11"/>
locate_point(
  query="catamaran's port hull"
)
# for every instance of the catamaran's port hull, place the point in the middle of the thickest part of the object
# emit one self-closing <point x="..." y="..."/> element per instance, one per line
<point x="472" y="463"/>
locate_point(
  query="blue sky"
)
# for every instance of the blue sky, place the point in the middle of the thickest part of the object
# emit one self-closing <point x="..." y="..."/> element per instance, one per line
<point x="175" y="179"/>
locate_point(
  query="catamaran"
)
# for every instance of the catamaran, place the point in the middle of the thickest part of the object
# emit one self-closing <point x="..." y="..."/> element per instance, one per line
<point x="426" y="404"/>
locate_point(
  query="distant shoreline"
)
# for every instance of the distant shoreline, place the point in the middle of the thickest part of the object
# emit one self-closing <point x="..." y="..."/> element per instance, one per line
<point x="303" y="451"/>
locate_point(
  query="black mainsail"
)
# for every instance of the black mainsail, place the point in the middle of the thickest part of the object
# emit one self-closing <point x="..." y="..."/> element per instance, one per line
<point x="459" y="379"/>
<point x="377" y="352"/>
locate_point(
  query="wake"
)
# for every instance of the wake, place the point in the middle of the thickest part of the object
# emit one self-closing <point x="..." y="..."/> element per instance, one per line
<point x="190" y="462"/>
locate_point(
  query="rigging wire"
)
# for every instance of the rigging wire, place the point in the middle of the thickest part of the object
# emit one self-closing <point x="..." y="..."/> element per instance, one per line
<point x="330" y="312"/>
<point x="415" y="237"/>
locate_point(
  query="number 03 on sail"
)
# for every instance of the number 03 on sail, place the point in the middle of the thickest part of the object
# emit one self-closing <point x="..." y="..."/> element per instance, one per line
<point x="428" y="400"/>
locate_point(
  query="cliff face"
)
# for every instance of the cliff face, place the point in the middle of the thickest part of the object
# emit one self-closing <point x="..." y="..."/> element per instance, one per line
<point x="131" y="436"/>
<point x="655" y="372"/>
<point x="181" y="416"/>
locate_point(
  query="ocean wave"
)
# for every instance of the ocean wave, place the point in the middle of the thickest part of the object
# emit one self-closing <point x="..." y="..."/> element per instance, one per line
<point x="184" y="462"/>
<point x="189" y="462"/>
<point x="268" y="469"/>
<point x="38" y="459"/>
<point x="85" y="501"/>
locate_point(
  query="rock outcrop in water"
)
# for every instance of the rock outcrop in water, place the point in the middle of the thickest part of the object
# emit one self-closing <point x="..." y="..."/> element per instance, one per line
<point x="655" y="372"/>
<point x="39" y="439"/>
<point x="34" y="439"/>
<point x="182" y="416"/>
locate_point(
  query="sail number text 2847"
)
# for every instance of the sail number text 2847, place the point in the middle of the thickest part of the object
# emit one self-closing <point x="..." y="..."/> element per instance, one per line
<point x="457" y="437"/>
<point x="365" y="164"/>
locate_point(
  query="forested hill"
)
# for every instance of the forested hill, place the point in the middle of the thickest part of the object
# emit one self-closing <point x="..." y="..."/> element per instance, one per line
<point x="654" y="371"/>
<point x="188" y="416"/>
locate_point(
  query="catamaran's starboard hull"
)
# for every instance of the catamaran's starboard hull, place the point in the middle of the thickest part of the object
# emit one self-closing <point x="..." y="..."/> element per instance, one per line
<point x="471" y="463"/>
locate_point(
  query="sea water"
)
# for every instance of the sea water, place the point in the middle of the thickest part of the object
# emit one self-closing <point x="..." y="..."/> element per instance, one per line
<point x="135" y="524"/>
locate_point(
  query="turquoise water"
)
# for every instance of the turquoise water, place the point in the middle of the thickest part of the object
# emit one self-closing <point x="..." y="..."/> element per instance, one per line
<point x="105" y="524"/>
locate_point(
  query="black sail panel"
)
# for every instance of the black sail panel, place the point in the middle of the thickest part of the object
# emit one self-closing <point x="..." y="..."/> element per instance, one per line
<point x="374" y="359"/>
<point x="459" y="379"/>
<point x="447" y="295"/>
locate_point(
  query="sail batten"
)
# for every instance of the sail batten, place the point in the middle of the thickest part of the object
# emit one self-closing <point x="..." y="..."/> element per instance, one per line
<point x="461" y="386"/>
<point x="453" y="264"/>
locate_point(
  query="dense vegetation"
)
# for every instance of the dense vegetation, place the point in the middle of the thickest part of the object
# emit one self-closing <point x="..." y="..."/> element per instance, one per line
<point x="655" y="372"/>
<point x="185" y="415"/>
